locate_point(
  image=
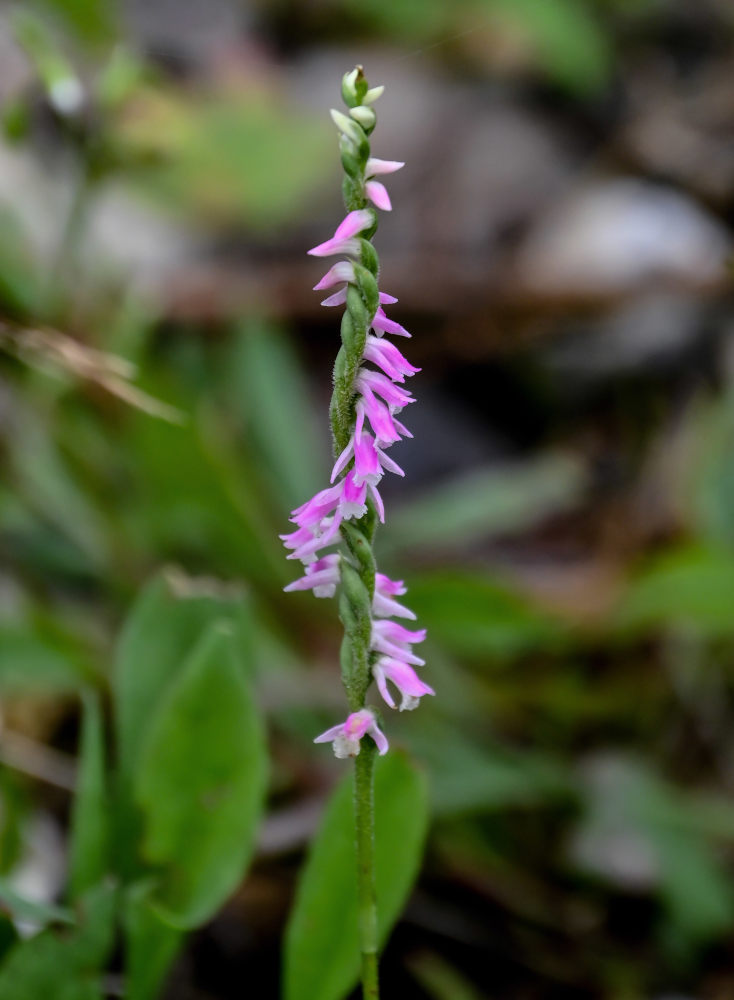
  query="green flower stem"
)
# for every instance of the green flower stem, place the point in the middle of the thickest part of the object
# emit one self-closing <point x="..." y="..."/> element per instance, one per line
<point x="364" y="813"/>
<point x="358" y="562"/>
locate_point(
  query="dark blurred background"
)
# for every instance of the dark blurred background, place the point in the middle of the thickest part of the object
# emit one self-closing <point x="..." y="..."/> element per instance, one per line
<point x="559" y="245"/>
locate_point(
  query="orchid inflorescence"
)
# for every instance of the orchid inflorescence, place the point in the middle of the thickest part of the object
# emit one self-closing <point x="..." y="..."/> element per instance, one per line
<point x="369" y="393"/>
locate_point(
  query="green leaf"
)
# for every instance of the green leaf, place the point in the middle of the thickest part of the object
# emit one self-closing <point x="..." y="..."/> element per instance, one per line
<point x="568" y="40"/>
<point x="28" y="910"/>
<point x="201" y="782"/>
<point x="629" y="805"/>
<point x="150" y="945"/>
<point x="163" y="628"/>
<point x="90" y="20"/>
<point x="472" y="615"/>
<point x="466" y="777"/>
<point x="269" y="389"/>
<point x="488" y="502"/>
<point x="159" y="634"/>
<point x="89" y="848"/>
<point x="51" y="489"/>
<point x="224" y="158"/>
<point x="31" y="664"/>
<point x="686" y="587"/>
<point x="322" y="942"/>
<point x="199" y="493"/>
<point x="63" y="967"/>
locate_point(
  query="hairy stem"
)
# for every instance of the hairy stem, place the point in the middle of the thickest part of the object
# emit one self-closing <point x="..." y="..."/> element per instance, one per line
<point x="364" y="815"/>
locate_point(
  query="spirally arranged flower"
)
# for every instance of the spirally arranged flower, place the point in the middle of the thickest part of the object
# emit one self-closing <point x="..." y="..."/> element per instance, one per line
<point x="369" y="394"/>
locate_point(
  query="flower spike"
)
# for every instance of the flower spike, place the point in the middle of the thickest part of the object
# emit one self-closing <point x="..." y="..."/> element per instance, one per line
<point x="369" y="392"/>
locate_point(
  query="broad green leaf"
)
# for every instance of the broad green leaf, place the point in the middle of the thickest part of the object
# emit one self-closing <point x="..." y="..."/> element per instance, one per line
<point x="158" y="636"/>
<point x="488" y="502"/>
<point x="157" y="639"/>
<point x="472" y="615"/>
<point x="67" y="966"/>
<point x="89" y="847"/>
<point x="201" y="782"/>
<point x="686" y="587"/>
<point x="150" y="945"/>
<point x="322" y="943"/>
<point x="269" y="390"/>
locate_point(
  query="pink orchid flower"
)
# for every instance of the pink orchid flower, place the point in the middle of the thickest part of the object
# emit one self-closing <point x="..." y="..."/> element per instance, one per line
<point x="347" y="735"/>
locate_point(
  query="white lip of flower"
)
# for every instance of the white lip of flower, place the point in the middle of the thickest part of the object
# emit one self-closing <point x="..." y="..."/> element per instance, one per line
<point x="345" y="747"/>
<point x="350" y="510"/>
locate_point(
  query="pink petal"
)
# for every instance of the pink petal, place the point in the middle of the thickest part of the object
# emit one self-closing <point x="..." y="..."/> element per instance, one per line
<point x="342" y="460"/>
<point x="387" y="463"/>
<point x="374" y="493"/>
<point x="377" y="193"/>
<point x="378" y="383"/>
<point x="337" y="299"/>
<point x="399" y="633"/>
<point x="330" y="734"/>
<point x="388" y="586"/>
<point x="358" y="723"/>
<point x="375" y="166"/>
<point x="405" y="679"/>
<point x="354" y="223"/>
<point x="381" y="322"/>
<point x="380" y="739"/>
<point x="335" y="246"/>
<point x="386" y="607"/>
<point x="382" y="687"/>
<point x="366" y="460"/>
<point x="337" y="273"/>
<point x="383" y="645"/>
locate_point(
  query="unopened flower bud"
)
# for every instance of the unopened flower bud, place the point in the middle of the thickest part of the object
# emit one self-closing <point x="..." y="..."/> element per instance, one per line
<point x="372" y="94"/>
<point x="346" y="126"/>
<point x="365" y="116"/>
<point x="349" y="88"/>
